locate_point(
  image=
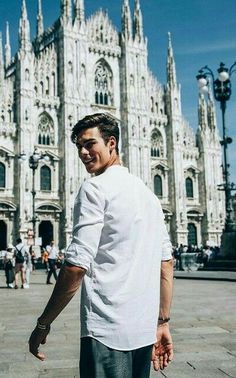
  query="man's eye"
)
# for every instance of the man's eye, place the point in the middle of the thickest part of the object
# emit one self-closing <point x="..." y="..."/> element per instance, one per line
<point x="88" y="145"/>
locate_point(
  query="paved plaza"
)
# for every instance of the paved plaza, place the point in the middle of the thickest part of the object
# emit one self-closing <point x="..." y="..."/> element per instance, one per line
<point x="203" y="322"/>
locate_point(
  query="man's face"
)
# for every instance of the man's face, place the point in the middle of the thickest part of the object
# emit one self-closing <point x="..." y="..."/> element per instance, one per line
<point x="94" y="153"/>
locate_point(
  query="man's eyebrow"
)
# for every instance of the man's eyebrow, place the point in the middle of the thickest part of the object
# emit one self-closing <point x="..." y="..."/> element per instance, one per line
<point x="85" y="141"/>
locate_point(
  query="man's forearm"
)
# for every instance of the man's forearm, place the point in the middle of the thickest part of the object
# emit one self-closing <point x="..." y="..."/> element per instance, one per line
<point x="166" y="288"/>
<point x="68" y="282"/>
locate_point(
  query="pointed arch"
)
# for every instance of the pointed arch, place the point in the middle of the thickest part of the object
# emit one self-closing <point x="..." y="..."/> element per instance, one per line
<point x="2" y="175"/>
<point x="189" y="187"/>
<point x="46" y="132"/>
<point x="192" y="234"/>
<point x="45" y="178"/>
<point x="103" y="83"/>
<point x="158" y="185"/>
<point x="156" y="144"/>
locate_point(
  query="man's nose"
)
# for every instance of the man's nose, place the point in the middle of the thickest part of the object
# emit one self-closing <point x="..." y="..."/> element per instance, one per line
<point x="83" y="151"/>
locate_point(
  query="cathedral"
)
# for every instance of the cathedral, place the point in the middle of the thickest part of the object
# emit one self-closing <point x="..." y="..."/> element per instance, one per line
<point x="80" y="66"/>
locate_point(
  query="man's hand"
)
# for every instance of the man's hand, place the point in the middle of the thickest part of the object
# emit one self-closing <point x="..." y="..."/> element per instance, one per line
<point x="162" y="352"/>
<point x="38" y="336"/>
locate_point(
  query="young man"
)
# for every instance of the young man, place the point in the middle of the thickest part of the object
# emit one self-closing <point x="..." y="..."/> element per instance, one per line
<point x="19" y="255"/>
<point x="121" y="253"/>
<point x="52" y="260"/>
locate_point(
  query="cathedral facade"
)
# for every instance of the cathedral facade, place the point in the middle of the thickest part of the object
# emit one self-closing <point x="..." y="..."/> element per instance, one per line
<point x="81" y="66"/>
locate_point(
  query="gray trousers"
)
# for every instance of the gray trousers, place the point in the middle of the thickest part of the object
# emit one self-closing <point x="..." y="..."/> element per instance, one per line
<point x="99" y="361"/>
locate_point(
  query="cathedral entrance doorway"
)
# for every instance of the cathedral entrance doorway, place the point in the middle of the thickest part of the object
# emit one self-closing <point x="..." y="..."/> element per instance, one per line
<point x="192" y="234"/>
<point x="3" y="235"/>
<point x="46" y="232"/>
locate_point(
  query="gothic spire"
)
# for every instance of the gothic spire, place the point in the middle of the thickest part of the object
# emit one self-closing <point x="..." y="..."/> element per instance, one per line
<point x="1" y="62"/>
<point x="211" y="113"/>
<point x="7" y="46"/>
<point x="24" y="28"/>
<point x="39" y="27"/>
<point x="202" y="113"/>
<point x="79" y="11"/>
<point x="126" y="20"/>
<point x="171" y="71"/>
<point x="66" y="9"/>
<point x="138" y="22"/>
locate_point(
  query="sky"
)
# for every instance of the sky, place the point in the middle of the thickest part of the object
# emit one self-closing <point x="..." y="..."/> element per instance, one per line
<point x="203" y="33"/>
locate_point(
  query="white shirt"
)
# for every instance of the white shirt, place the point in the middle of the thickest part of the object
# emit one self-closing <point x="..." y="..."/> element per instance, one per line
<point x="120" y="238"/>
<point x="52" y="252"/>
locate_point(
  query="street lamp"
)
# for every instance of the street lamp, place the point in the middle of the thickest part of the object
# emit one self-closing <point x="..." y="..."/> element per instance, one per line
<point x="222" y="93"/>
<point x="33" y="164"/>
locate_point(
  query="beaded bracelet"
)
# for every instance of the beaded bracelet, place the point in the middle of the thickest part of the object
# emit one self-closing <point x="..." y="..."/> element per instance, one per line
<point x="163" y="320"/>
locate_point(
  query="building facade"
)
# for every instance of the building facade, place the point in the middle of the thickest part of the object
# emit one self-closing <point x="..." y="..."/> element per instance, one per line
<point x="80" y="66"/>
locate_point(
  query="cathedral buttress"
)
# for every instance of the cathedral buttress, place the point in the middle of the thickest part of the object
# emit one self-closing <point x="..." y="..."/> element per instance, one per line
<point x="126" y="21"/>
<point x="134" y="96"/>
<point x="175" y="138"/>
<point x="210" y="178"/>
<point x="39" y="26"/>
<point x="79" y="11"/>
<point x="7" y="46"/>
<point x="24" y="29"/>
<point x="138" y="22"/>
<point x="1" y="66"/>
<point x="66" y="10"/>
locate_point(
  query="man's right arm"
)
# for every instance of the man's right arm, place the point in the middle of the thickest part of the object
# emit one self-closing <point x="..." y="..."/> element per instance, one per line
<point x="68" y="282"/>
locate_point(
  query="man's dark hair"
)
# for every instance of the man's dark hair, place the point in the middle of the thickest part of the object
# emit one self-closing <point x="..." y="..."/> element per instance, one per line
<point x="18" y="240"/>
<point x="106" y="124"/>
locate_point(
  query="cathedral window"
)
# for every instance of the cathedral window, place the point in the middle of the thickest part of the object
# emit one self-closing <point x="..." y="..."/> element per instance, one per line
<point x="152" y="104"/>
<point x="192" y="234"/>
<point x="9" y="115"/>
<point x="45" y="178"/>
<point x="41" y="88"/>
<point x="189" y="187"/>
<point x="103" y="84"/>
<point x="2" y="175"/>
<point x="158" y="185"/>
<point x="47" y="85"/>
<point x="156" y="106"/>
<point x="26" y="74"/>
<point x="45" y="130"/>
<point x="156" y="144"/>
<point x="54" y="84"/>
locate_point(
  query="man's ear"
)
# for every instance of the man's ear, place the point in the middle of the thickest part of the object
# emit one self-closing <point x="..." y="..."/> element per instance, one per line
<point x="112" y="143"/>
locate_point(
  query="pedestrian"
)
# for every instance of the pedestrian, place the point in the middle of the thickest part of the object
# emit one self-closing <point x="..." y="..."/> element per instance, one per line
<point x="27" y="268"/>
<point x="121" y="253"/>
<point x="52" y="261"/>
<point x="9" y="266"/>
<point x="19" y="255"/>
<point x="44" y="256"/>
<point x="33" y="257"/>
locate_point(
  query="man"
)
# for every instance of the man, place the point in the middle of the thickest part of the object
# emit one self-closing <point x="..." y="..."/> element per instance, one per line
<point x="119" y="251"/>
<point x="52" y="259"/>
<point x="19" y="255"/>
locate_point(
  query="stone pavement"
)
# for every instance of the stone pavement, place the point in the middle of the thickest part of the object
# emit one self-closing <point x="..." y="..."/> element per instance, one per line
<point x="203" y="324"/>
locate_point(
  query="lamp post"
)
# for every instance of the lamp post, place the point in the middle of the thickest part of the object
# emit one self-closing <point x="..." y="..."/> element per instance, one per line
<point x="34" y="159"/>
<point x="222" y="93"/>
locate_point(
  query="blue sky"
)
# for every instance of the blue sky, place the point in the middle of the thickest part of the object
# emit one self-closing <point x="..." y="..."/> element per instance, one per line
<point x="203" y="33"/>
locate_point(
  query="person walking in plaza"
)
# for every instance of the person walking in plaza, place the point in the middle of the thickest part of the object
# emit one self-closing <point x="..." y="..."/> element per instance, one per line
<point x="52" y="259"/>
<point x="9" y="266"/>
<point x="19" y="255"/>
<point x="27" y="268"/>
<point x="122" y="255"/>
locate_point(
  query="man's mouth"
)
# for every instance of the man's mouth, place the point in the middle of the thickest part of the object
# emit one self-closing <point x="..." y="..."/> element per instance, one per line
<point x="87" y="161"/>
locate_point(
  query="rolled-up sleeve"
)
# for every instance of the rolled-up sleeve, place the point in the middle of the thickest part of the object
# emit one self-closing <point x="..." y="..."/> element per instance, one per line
<point x="166" y="252"/>
<point x="88" y="223"/>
